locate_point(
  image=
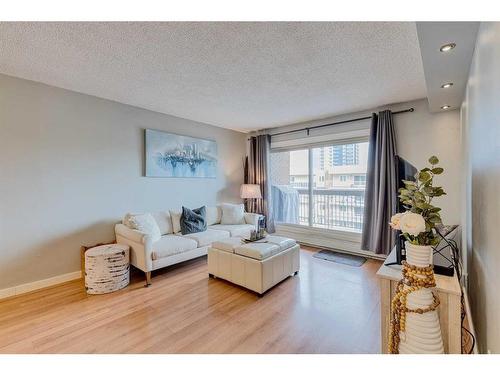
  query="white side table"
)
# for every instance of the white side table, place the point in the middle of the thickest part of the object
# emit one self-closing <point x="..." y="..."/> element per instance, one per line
<point x="449" y="293"/>
<point x="107" y="268"/>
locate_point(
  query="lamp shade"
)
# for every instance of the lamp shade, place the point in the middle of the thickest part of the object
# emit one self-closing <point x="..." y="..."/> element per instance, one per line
<point x="250" y="191"/>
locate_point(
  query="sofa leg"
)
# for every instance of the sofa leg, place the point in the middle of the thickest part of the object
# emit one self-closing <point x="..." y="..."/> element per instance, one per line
<point x="295" y="273"/>
<point x="148" y="279"/>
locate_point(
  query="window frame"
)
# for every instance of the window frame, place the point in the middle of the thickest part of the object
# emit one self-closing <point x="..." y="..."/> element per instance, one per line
<point x="352" y="235"/>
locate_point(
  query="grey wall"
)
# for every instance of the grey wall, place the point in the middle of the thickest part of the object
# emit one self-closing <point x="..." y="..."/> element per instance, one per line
<point x="72" y="166"/>
<point x="481" y="140"/>
<point x="419" y="135"/>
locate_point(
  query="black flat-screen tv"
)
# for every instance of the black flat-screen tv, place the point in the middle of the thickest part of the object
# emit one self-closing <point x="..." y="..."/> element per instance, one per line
<point x="404" y="171"/>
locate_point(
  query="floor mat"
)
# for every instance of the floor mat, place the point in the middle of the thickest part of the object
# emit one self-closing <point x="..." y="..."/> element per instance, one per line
<point x="332" y="256"/>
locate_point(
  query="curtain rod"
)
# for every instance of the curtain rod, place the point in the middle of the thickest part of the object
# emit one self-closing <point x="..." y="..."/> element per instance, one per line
<point x="337" y="123"/>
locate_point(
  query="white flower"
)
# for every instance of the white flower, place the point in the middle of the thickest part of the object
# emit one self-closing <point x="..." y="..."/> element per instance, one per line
<point x="395" y="219"/>
<point x="412" y="223"/>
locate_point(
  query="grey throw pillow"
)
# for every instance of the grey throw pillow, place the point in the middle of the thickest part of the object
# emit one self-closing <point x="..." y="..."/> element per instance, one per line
<point x="193" y="221"/>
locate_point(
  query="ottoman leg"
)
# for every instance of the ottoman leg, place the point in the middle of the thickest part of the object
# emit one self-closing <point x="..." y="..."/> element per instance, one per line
<point x="148" y="279"/>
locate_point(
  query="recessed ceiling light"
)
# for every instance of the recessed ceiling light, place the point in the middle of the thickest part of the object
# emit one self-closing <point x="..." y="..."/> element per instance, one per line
<point x="446" y="85"/>
<point x="447" y="47"/>
<point x="445" y="107"/>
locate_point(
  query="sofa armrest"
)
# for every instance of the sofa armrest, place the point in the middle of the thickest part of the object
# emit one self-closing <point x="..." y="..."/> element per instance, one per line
<point x="141" y="246"/>
<point x="131" y="234"/>
<point x="251" y="218"/>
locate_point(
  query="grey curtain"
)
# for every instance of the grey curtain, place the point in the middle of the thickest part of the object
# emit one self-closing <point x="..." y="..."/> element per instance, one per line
<point x="258" y="173"/>
<point x="380" y="193"/>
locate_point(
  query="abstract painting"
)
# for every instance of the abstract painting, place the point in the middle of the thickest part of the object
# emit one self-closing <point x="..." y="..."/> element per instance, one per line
<point x="172" y="155"/>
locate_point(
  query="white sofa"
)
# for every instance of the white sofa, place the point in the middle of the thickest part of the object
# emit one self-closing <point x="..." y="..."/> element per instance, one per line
<point x="173" y="247"/>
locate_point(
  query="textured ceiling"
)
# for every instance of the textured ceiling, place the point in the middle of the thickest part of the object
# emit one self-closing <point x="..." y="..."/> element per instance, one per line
<point x="242" y="76"/>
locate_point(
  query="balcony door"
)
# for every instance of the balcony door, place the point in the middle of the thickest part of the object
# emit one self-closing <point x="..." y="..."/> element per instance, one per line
<point x="321" y="187"/>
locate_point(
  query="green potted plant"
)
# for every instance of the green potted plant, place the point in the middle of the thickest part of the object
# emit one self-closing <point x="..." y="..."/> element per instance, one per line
<point x="418" y="223"/>
<point x="415" y="322"/>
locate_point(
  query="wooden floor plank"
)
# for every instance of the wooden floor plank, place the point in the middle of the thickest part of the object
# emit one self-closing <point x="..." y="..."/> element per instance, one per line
<point x="327" y="308"/>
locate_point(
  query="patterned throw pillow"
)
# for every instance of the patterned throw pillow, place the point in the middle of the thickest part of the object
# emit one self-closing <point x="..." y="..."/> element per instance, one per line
<point x="193" y="221"/>
<point x="144" y="223"/>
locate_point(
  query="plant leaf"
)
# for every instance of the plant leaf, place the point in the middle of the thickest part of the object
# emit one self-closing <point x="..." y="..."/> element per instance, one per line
<point x="433" y="160"/>
<point x="424" y="176"/>
<point x="437" y="170"/>
<point x="428" y="190"/>
<point x="407" y="182"/>
<point x="419" y="195"/>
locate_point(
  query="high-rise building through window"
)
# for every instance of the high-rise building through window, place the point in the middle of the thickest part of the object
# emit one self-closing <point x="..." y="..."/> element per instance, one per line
<point x="338" y="155"/>
<point x="347" y="154"/>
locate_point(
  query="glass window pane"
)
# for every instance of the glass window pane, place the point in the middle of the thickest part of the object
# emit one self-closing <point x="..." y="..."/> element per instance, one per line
<point x="339" y="178"/>
<point x="289" y="186"/>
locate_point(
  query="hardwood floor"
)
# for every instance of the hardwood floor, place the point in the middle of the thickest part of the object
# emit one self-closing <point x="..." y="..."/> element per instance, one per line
<point x="327" y="308"/>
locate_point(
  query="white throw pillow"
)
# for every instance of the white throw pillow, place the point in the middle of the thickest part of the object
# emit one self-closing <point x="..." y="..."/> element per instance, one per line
<point x="164" y="221"/>
<point x="176" y="220"/>
<point x="233" y="214"/>
<point x="214" y="214"/>
<point x="144" y="223"/>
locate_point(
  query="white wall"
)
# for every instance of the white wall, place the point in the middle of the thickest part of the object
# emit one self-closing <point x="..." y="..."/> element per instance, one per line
<point x="419" y="135"/>
<point x="72" y="166"/>
<point x="481" y="152"/>
<point x="422" y="134"/>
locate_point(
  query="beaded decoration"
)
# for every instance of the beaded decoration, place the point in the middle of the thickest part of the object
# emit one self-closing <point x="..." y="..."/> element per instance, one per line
<point x="414" y="278"/>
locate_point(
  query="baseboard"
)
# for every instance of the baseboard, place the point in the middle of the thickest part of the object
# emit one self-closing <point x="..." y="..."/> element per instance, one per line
<point x="39" y="284"/>
<point x="469" y="318"/>
<point x="344" y="242"/>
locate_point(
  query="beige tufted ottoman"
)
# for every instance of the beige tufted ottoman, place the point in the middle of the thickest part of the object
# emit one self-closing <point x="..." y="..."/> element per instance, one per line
<point x="257" y="266"/>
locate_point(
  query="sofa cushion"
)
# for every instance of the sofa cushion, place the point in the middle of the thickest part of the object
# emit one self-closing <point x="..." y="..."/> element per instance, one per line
<point x="164" y="222"/>
<point x="228" y="245"/>
<point x="207" y="237"/>
<point x="240" y="230"/>
<point x="176" y="220"/>
<point x="257" y="250"/>
<point x="144" y="223"/>
<point x="214" y="214"/>
<point x="283" y="242"/>
<point x="172" y="244"/>
<point x="233" y="214"/>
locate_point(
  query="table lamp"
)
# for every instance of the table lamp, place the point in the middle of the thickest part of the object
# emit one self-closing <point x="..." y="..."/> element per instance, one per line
<point x="250" y="191"/>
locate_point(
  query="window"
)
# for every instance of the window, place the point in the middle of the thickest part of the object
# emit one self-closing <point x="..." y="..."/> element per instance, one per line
<point x="360" y="180"/>
<point x="321" y="187"/>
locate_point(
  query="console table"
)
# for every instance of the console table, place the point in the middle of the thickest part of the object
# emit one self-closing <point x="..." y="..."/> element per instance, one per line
<point x="449" y="292"/>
